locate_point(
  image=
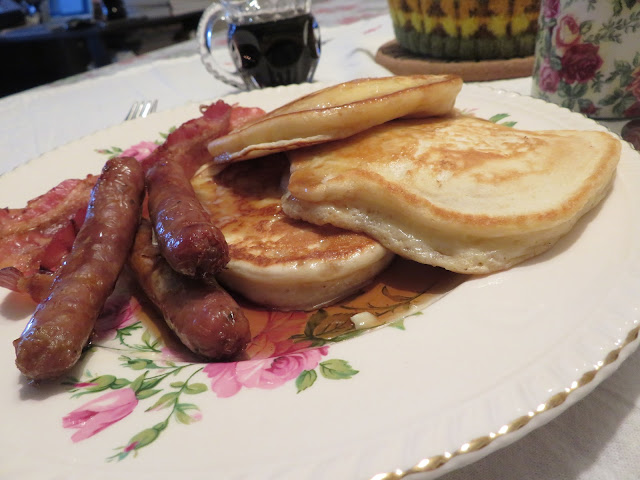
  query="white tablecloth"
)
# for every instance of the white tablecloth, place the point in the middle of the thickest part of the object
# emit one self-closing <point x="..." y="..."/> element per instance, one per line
<point x="596" y="439"/>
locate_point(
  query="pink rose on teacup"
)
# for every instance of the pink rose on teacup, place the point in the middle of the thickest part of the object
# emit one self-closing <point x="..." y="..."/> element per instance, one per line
<point x="580" y="63"/>
<point x="548" y="77"/>
<point x="98" y="414"/>
<point x="567" y="32"/>
<point x="551" y="8"/>
<point x="588" y="108"/>
<point x="634" y="86"/>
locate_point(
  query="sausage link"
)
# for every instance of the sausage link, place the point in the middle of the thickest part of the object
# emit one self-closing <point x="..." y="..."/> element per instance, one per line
<point x="202" y="315"/>
<point x="188" y="240"/>
<point x="61" y="326"/>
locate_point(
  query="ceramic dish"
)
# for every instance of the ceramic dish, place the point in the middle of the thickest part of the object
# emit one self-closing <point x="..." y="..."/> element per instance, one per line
<point x="495" y="358"/>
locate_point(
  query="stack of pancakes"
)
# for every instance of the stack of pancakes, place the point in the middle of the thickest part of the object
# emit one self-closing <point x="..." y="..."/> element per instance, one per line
<point x="275" y="260"/>
<point x="378" y="167"/>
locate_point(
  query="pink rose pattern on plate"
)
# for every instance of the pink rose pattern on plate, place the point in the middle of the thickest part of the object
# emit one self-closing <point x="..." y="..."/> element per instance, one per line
<point x="577" y="64"/>
<point x="267" y="373"/>
<point x="99" y="413"/>
<point x="168" y="373"/>
<point x="287" y="348"/>
<point x="139" y="151"/>
<point x="156" y="375"/>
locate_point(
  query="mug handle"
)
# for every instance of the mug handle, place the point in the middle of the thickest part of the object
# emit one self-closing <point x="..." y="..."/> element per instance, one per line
<point x="212" y="15"/>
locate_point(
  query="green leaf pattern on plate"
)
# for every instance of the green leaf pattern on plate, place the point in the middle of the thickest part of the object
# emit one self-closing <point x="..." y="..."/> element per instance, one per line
<point x="155" y="378"/>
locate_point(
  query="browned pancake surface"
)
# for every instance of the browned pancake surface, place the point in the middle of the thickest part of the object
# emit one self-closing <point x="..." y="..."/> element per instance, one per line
<point x="267" y="246"/>
<point x="457" y="192"/>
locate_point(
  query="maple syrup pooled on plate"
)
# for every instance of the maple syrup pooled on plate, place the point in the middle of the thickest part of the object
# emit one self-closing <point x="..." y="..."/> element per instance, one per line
<point x="243" y="200"/>
<point x="403" y="289"/>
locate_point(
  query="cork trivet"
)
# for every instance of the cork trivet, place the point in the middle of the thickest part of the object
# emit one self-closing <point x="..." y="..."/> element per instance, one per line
<point x="402" y="62"/>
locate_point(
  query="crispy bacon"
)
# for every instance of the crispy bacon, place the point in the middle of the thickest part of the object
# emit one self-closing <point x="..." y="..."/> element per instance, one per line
<point x="188" y="143"/>
<point x="37" y="286"/>
<point x="241" y="116"/>
<point x="27" y="233"/>
<point x="34" y="240"/>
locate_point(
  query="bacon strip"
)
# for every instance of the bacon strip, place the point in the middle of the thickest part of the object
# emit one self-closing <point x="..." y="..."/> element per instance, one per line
<point x="25" y="233"/>
<point x="61" y="326"/>
<point x="37" y="286"/>
<point x="34" y="240"/>
<point x="189" y="141"/>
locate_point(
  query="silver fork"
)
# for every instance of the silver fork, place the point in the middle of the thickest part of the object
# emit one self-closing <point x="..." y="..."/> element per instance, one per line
<point x="141" y="109"/>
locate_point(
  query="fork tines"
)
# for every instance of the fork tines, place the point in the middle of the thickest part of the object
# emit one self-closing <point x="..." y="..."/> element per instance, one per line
<point x="141" y="109"/>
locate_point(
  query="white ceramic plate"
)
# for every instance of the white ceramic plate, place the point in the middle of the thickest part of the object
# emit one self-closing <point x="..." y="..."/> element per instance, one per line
<point x="497" y="357"/>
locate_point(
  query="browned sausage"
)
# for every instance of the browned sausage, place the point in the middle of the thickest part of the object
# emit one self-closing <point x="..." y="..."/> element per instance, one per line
<point x="203" y="315"/>
<point x="61" y="326"/>
<point x="188" y="240"/>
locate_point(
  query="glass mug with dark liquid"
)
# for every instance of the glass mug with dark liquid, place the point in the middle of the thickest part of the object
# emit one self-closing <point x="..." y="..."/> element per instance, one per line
<point x="271" y="42"/>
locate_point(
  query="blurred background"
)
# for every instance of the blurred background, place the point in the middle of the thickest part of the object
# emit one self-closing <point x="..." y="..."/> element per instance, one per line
<point x="45" y="40"/>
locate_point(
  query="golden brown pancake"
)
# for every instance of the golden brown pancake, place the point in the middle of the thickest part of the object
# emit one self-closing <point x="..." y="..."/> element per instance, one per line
<point x="277" y="261"/>
<point x="458" y="192"/>
<point x="338" y="112"/>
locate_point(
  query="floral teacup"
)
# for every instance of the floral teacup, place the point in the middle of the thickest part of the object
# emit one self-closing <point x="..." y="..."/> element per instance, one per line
<point x="588" y="56"/>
